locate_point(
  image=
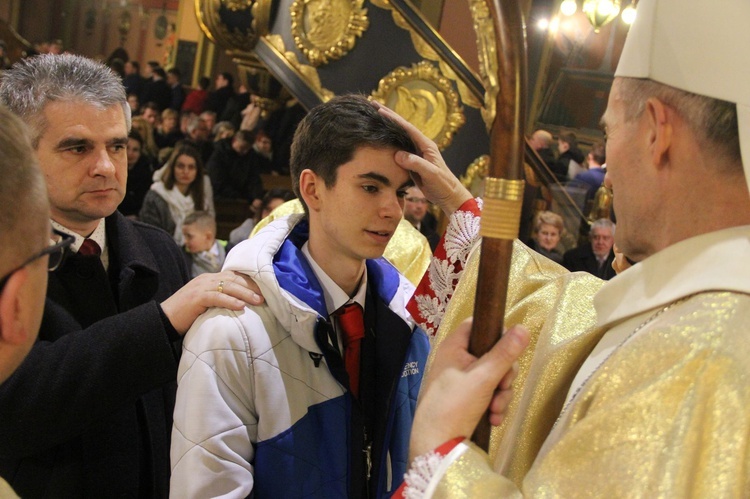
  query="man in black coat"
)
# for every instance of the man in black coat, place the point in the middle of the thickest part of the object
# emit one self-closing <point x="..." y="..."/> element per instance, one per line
<point x="234" y="171"/>
<point x="157" y="89"/>
<point x="174" y="80"/>
<point x="595" y="258"/>
<point x="218" y="99"/>
<point x="88" y="414"/>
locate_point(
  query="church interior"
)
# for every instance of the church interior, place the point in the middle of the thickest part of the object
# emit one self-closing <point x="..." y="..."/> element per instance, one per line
<point x="432" y="61"/>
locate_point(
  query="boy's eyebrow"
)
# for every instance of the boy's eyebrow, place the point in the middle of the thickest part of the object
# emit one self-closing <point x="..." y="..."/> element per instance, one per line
<point x="385" y="180"/>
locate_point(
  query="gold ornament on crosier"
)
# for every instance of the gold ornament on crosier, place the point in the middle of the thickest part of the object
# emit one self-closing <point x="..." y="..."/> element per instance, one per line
<point x="424" y="97"/>
<point x="487" y="49"/>
<point x="326" y="30"/>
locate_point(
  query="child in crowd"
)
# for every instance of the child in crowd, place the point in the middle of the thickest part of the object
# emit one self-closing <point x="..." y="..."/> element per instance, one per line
<point x="204" y="253"/>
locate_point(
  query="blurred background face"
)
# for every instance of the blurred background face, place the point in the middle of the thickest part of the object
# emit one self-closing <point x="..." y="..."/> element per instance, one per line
<point x="263" y="144"/>
<point x="209" y="120"/>
<point x="134" y="152"/>
<point x="548" y="236"/>
<point x="240" y="146"/>
<point x="169" y="124"/>
<point x="200" y="132"/>
<point x="197" y="238"/>
<point x="415" y="205"/>
<point x="133" y="103"/>
<point x="185" y="171"/>
<point x="562" y="146"/>
<point x="272" y="205"/>
<point x="151" y="116"/>
<point x="601" y="241"/>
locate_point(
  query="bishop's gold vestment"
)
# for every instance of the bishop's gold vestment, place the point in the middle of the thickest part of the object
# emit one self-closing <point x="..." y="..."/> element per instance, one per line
<point x="662" y="405"/>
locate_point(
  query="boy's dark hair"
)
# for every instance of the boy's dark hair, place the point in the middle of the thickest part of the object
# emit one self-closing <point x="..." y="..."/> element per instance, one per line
<point x="332" y="132"/>
<point x="204" y="82"/>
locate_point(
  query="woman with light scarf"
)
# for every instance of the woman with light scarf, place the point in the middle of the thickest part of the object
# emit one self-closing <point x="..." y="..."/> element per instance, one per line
<point x="181" y="191"/>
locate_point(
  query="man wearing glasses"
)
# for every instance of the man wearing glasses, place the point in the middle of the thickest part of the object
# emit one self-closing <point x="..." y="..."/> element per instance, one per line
<point x="416" y="212"/>
<point x="25" y="250"/>
<point x="89" y="412"/>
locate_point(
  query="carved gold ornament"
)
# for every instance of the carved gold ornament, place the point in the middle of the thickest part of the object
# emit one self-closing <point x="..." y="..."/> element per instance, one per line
<point x="326" y="30"/>
<point x="235" y="5"/>
<point x="475" y="174"/>
<point x="426" y="51"/>
<point x="424" y="97"/>
<point x="487" y="50"/>
<point x="208" y="14"/>
<point x="308" y="73"/>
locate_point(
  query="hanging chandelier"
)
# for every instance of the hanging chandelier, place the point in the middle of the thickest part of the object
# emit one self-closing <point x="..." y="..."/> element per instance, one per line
<point x="599" y="12"/>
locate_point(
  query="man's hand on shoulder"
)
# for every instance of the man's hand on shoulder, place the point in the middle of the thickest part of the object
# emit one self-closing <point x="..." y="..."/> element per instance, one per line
<point x="226" y="289"/>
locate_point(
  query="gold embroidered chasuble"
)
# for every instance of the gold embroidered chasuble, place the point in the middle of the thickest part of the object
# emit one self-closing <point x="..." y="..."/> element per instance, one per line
<point x="662" y="411"/>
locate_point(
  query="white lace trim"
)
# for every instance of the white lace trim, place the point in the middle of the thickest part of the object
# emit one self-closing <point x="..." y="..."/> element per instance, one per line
<point x="426" y="470"/>
<point x="418" y="477"/>
<point x="460" y="235"/>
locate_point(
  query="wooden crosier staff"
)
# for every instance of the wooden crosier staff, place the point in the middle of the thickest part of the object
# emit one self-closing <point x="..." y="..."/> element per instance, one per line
<point x="504" y="186"/>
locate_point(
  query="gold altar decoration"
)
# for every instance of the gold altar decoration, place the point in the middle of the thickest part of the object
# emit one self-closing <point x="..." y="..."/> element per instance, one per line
<point x="426" y="51"/>
<point x="487" y="51"/>
<point x="475" y="174"/>
<point x="424" y="97"/>
<point x="326" y="30"/>
<point x="235" y="5"/>
<point x="209" y="19"/>
<point x="308" y="73"/>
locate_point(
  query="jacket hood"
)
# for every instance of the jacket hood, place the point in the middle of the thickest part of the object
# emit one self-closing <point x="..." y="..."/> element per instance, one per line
<point x="274" y="260"/>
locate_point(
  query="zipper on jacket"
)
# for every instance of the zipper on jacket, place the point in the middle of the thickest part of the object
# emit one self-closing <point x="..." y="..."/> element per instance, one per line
<point x="368" y="462"/>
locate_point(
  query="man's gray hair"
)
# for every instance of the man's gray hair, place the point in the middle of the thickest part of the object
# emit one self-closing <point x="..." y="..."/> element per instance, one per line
<point x="713" y="121"/>
<point x="603" y="223"/>
<point x="33" y="83"/>
<point x="23" y="190"/>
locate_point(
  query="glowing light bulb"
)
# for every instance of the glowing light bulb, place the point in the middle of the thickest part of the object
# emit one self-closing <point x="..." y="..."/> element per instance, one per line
<point x="568" y="7"/>
<point x="628" y="14"/>
<point x="605" y="8"/>
<point x="543" y="24"/>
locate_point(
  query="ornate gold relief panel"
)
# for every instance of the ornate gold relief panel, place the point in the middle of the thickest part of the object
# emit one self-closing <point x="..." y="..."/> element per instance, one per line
<point x="426" y="51"/>
<point x="424" y="97"/>
<point x="326" y="30"/>
<point x="308" y="73"/>
<point x="224" y="29"/>
<point x="235" y="5"/>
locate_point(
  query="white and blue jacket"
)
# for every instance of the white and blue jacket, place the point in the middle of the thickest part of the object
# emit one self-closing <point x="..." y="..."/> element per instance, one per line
<point x="262" y="404"/>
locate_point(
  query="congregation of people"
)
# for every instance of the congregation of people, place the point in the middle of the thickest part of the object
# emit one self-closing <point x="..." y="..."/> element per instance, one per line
<point x="143" y="355"/>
